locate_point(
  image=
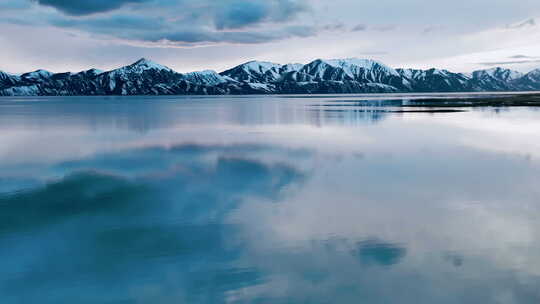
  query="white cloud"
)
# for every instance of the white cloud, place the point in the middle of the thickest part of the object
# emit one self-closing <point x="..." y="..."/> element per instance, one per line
<point x="418" y="33"/>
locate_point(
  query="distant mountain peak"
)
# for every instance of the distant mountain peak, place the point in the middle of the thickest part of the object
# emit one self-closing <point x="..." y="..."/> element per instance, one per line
<point x="38" y="74"/>
<point x="352" y="60"/>
<point x="349" y="68"/>
<point x="146" y="64"/>
<point x="93" y="72"/>
<point x="534" y="72"/>
<point x="261" y="62"/>
<point x="96" y="71"/>
<point x="260" y="66"/>
<point x="254" y="72"/>
<point x="363" y="63"/>
<point x="498" y="73"/>
<point x="142" y="60"/>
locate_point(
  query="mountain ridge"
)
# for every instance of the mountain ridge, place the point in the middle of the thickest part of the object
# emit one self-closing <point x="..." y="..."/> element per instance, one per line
<point x="350" y="75"/>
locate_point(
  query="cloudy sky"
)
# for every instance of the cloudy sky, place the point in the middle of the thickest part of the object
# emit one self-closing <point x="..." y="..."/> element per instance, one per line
<point x="187" y="35"/>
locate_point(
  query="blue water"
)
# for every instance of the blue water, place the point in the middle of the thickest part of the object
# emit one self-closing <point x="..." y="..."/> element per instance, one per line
<point x="299" y="199"/>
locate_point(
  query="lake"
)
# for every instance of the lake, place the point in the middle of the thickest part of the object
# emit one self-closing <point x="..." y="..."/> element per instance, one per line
<point x="267" y="199"/>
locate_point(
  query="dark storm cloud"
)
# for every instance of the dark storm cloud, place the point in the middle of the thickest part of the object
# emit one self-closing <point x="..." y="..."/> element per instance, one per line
<point x="156" y="31"/>
<point x="241" y="37"/>
<point x="496" y="63"/>
<point x="338" y="26"/>
<point x="182" y="22"/>
<point x="515" y="60"/>
<point x="227" y="13"/>
<point x="376" y="28"/>
<point x="359" y="28"/>
<point x="521" y="57"/>
<point x="111" y="24"/>
<point x="86" y="7"/>
<point x="527" y="23"/>
<point x="238" y="14"/>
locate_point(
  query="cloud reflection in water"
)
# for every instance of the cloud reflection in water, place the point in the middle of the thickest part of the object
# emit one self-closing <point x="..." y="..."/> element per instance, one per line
<point x="275" y="200"/>
<point x="126" y="225"/>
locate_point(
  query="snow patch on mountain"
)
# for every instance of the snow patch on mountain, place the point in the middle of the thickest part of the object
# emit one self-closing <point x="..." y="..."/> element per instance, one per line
<point x="368" y="64"/>
<point x="260" y="66"/>
<point x="37" y="75"/>
<point x="206" y="77"/>
<point x="255" y="72"/>
<point x="94" y="72"/>
<point x="145" y="64"/>
<point x="291" y="67"/>
<point x="139" y="67"/>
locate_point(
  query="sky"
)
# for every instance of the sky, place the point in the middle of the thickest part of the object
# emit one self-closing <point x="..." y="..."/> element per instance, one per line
<point x="190" y="35"/>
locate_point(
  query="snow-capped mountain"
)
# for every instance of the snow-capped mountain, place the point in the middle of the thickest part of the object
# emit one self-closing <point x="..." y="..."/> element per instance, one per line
<point x="353" y="75"/>
<point x="362" y="70"/>
<point x="144" y="77"/>
<point x="339" y="76"/>
<point x="497" y="73"/>
<point x="495" y="79"/>
<point x="434" y="80"/>
<point x="530" y="81"/>
<point x="256" y="72"/>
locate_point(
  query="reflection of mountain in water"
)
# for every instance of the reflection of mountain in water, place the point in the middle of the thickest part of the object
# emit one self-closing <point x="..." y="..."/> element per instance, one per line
<point x="142" y="114"/>
<point x="354" y="112"/>
<point x="350" y="116"/>
<point x="145" y="113"/>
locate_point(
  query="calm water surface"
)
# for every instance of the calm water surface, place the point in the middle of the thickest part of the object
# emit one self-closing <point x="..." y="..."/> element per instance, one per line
<point x="321" y="199"/>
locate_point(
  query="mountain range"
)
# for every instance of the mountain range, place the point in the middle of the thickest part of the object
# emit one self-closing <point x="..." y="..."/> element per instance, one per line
<point x="145" y="77"/>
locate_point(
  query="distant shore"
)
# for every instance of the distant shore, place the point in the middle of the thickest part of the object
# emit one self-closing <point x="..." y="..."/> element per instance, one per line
<point x="510" y="100"/>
